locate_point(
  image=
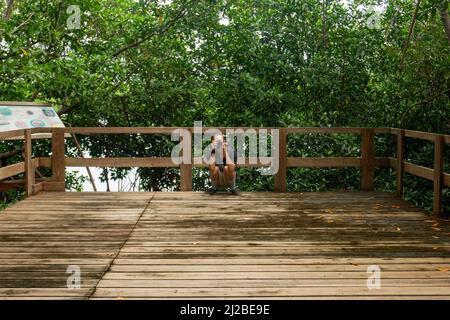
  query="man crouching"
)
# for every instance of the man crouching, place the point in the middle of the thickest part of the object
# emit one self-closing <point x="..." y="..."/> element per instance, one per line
<point x="222" y="169"/>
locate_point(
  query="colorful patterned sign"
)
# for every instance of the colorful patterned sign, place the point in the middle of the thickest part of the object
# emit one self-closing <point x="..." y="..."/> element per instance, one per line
<point x="27" y="117"/>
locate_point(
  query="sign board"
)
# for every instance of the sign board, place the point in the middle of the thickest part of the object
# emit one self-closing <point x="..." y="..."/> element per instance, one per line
<point x="20" y="115"/>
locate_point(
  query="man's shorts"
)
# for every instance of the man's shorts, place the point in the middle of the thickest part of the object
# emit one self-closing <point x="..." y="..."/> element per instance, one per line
<point x="222" y="182"/>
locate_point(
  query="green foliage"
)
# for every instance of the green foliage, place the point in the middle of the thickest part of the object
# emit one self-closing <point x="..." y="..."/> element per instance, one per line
<point x="74" y="181"/>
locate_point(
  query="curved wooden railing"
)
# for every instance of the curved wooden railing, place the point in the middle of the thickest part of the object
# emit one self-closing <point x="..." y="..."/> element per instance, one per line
<point x="366" y="161"/>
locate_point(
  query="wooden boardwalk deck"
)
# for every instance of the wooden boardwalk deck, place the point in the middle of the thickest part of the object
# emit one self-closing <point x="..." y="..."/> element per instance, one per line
<point x="191" y="245"/>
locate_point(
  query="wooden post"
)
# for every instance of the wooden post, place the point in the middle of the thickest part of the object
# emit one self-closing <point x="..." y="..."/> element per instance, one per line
<point x="58" y="160"/>
<point x="186" y="168"/>
<point x="29" y="165"/>
<point x="400" y="160"/>
<point x="368" y="159"/>
<point x="280" y="184"/>
<point x="438" y="177"/>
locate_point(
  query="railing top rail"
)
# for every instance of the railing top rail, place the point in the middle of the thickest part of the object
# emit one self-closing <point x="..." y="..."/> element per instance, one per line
<point x="429" y="136"/>
<point x="168" y="130"/>
<point x="23" y="103"/>
<point x="423" y="135"/>
<point x="12" y="134"/>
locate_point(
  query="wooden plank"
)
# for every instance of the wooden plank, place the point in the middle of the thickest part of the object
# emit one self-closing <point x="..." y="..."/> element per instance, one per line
<point x="437" y="177"/>
<point x="29" y="165"/>
<point x="280" y="183"/>
<point x="12" y="134"/>
<point x="268" y="292"/>
<point x="150" y="162"/>
<point x="39" y="131"/>
<point x="313" y="130"/>
<point x="38" y="187"/>
<point x="44" y="162"/>
<point x="355" y="263"/>
<point x="420" y="135"/>
<point x="24" y="103"/>
<point x="419" y="171"/>
<point x="279" y="275"/>
<point x="446" y="179"/>
<point x="317" y="162"/>
<point x="382" y="130"/>
<point x="393" y="163"/>
<point x="447" y="139"/>
<point x="35" y="264"/>
<point x="394" y="131"/>
<point x="122" y="130"/>
<point x="186" y="168"/>
<point x="382" y="162"/>
<point x="12" y="170"/>
<point x="58" y="159"/>
<point x="271" y="283"/>
<point x="53" y="186"/>
<point x="400" y="160"/>
<point x="368" y="160"/>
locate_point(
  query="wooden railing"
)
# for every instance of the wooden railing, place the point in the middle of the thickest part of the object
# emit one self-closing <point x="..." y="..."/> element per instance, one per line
<point x="367" y="160"/>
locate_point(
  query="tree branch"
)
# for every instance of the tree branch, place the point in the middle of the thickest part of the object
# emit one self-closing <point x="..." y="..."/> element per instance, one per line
<point x="22" y="24"/>
<point x="408" y="39"/>
<point x="66" y="109"/>
<point x="160" y="31"/>
<point x="425" y="102"/>
<point x="9" y="154"/>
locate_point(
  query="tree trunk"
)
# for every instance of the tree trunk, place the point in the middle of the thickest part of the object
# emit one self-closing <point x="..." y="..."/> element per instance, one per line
<point x="445" y="18"/>
<point x="8" y="10"/>
<point x="324" y="21"/>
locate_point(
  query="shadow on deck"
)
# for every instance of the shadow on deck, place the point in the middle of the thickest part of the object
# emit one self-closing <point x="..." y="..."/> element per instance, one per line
<point x="191" y="245"/>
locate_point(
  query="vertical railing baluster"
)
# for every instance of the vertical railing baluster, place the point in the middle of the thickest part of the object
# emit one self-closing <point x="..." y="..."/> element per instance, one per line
<point x="186" y="168"/>
<point x="400" y="160"/>
<point x="367" y="159"/>
<point x="58" y="160"/>
<point x="29" y="166"/>
<point x="280" y="183"/>
<point x="438" y="176"/>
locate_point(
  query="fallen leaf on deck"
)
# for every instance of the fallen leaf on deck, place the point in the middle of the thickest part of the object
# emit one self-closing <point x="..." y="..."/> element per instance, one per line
<point x="443" y="269"/>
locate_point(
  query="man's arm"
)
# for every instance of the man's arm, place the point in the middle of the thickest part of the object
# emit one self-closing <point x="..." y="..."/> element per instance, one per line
<point x="229" y="162"/>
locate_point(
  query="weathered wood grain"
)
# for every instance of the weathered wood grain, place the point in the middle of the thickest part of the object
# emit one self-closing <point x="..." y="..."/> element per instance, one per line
<point x="192" y="245"/>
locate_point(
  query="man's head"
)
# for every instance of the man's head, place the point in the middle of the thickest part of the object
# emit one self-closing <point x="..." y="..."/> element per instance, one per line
<point x="217" y="138"/>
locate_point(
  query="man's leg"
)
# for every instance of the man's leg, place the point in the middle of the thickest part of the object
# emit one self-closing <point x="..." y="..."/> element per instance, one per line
<point x="229" y="174"/>
<point x="214" y="173"/>
<point x="230" y="180"/>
